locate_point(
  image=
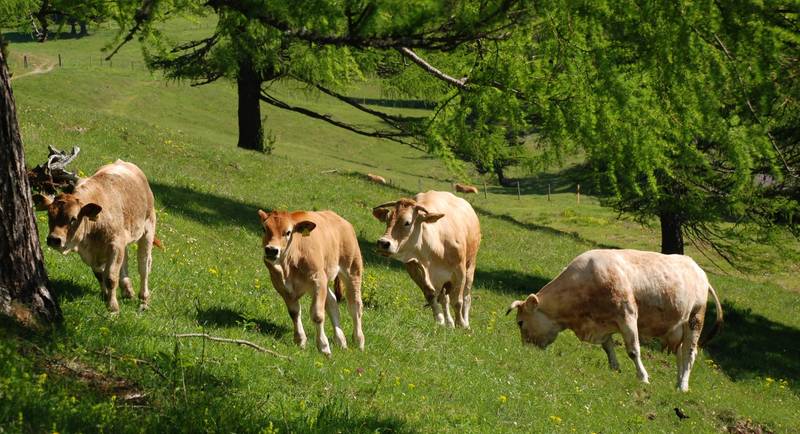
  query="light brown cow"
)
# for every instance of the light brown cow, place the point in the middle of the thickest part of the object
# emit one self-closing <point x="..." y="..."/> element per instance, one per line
<point x="105" y="213"/>
<point x="376" y="178"/>
<point x="436" y="235"/>
<point x="463" y="188"/>
<point x="638" y="294"/>
<point x="303" y="252"/>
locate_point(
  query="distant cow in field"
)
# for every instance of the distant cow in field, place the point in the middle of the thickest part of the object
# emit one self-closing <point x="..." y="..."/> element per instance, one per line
<point x="376" y="178"/>
<point x="463" y="188"/>
<point x="436" y="235"/>
<point x="635" y="293"/>
<point x="103" y="214"/>
<point x="303" y="252"/>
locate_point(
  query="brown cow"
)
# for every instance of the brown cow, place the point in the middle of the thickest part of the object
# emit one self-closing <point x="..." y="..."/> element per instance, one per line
<point x="303" y="252"/>
<point x="376" y="178"/>
<point x="463" y="188"/>
<point x="105" y="213"/>
<point x="436" y="235"/>
<point x="635" y="293"/>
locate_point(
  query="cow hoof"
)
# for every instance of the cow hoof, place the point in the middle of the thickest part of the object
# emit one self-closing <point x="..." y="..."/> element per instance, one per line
<point x="143" y="307"/>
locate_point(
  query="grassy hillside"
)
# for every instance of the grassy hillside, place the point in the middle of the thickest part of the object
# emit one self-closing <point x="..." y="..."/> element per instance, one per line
<point x="128" y="373"/>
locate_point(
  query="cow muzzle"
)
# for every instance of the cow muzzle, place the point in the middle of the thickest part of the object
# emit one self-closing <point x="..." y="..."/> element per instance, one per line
<point x="55" y="242"/>
<point x="385" y="247"/>
<point x="271" y="253"/>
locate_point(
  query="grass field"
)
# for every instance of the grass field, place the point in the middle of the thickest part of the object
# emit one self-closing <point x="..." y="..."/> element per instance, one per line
<point x="128" y="373"/>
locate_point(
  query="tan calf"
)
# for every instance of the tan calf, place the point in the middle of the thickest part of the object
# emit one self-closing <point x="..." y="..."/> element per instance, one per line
<point x="376" y="178"/>
<point x="303" y="252"/>
<point x="463" y="188"/>
<point x="638" y="294"/>
<point x="105" y="213"/>
<point x="437" y="236"/>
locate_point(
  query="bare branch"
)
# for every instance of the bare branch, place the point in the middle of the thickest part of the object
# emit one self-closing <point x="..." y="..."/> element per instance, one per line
<point x="233" y="341"/>
<point x="460" y="83"/>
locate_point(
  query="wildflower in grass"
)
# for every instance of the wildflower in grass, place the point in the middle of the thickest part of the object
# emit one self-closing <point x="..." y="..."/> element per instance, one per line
<point x="318" y="364"/>
<point x="213" y="271"/>
<point x="555" y="419"/>
<point x="411" y="386"/>
<point x="503" y="399"/>
<point x="769" y="380"/>
<point x="346" y="371"/>
<point x="396" y="381"/>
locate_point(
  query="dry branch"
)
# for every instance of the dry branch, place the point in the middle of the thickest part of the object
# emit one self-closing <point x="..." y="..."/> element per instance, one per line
<point x="52" y="175"/>
<point x="233" y="341"/>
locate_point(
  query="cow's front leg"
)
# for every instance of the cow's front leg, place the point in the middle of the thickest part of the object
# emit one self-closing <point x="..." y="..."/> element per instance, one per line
<point x="293" y="306"/>
<point x="608" y="347"/>
<point x="332" y="307"/>
<point x="124" y="280"/>
<point x="457" y="296"/>
<point x="111" y="276"/>
<point x="417" y="273"/>
<point x="444" y="301"/>
<point x="318" y="314"/>
<point x="630" y="333"/>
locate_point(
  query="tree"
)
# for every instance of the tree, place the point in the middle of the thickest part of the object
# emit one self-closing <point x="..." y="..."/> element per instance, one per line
<point x="24" y="288"/>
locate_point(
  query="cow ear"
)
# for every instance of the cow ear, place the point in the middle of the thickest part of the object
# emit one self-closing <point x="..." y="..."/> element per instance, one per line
<point x="41" y="202"/>
<point x="514" y="305"/>
<point x="381" y="214"/>
<point x="532" y="301"/>
<point x="262" y="215"/>
<point x="431" y="217"/>
<point x="304" y="227"/>
<point x="90" y="211"/>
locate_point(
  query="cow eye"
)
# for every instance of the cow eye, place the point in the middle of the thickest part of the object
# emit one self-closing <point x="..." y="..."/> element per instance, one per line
<point x="519" y="323"/>
<point x="73" y="220"/>
<point x="288" y="232"/>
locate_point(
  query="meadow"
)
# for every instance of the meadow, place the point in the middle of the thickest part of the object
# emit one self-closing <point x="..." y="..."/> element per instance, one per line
<point x="129" y="373"/>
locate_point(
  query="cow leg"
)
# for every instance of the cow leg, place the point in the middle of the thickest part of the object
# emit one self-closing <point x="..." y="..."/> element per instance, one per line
<point x="355" y="305"/>
<point x="457" y="296"/>
<point x="468" y="294"/>
<point x="145" y="261"/>
<point x="444" y="301"/>
<point x="318" y="314"/>
<point x="124" y="280"/>
<point x="688" y="350"/>
<point x="608" y="347"/>
<point x="417" y="273"/>
<point x="630" y="333"/>
<point x="111" y="277"/>
<point x="293" y="306"/>
<point x="332" y="307"/>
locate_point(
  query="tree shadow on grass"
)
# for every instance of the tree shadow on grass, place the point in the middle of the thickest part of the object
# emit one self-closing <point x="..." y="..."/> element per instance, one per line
<point x="751" y="345"/>
<point x="510" y="282"/>
<point x="68" y="290"/>
<point x="207" y="208"/>
<point x="225" y="317"/>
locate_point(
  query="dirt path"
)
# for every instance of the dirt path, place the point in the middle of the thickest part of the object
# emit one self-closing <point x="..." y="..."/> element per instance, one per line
<point x="44" y="67"/>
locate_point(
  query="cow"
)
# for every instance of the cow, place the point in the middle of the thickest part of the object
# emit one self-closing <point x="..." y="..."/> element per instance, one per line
<point x="98" y="219"/>
<point x="436" y="235"/>
<point x="638" y="294"/>
<point x="463" y="188"/>
<point x="303" y="252"/>
<point x="377" y="179"/>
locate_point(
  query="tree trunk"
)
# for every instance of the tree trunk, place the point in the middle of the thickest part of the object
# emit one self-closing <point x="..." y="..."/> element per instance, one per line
<point x="73" y="31"/>
<point x="671" y="234"/>
<point x="24" y="288"/>
<point x="251" y="132"/>
<point x="84" y="31"/>
<point x="41" y="16"/>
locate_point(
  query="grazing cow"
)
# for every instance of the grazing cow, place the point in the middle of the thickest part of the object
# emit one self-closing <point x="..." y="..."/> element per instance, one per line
<point x="462" y="188"/>
<point x="98" y="219"/>
<point x="436" y="235"/>
<point x="376" y="178"/>
<point x="635" y="293"/>
<point x="303" y="252"/>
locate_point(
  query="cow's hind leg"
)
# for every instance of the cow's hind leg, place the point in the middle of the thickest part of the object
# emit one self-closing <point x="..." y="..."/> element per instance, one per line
<point x="124" y="280"/>
<point x="688" y="350"/>
<point x="417" y="273"/>
<point x="318" y="314"/>
<point x="293" y="306"/>
<point x="630" y="333"/>
<point x="468" y="294"/>
<point x="444" y="301"/>
<point x="332" y="307"/>
<point x="608" y="347"/>
<point x="355" y="305"/>
<point x="145" y="261"/>
<point x="456" y="293"/>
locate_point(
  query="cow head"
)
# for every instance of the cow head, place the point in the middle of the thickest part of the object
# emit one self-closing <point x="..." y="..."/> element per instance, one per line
<point x="65" y="215"/>
<point x="535" y="327"/>
<point x="280" y="227"/>
<point x="402" y="218"/>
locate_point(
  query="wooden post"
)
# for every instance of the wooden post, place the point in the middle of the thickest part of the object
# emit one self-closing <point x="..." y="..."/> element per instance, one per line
<point x="59" y="60"/>
<point x="548" y="192"/>
<point x="25" y="61"/>
<point x="484" y="190"/>
<point x="519" y="195"/>
<point x="419" y="184"/>
<point x="579" y="194"/>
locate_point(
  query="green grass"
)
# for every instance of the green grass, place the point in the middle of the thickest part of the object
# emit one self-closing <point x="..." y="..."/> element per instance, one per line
<point x="413" y="376"/>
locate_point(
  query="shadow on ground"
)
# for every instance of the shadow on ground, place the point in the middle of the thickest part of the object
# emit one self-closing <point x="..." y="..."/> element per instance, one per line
<point x="563" y="181"/>
<point x="509" y="282"/>
<point x="225" y="317"/>
<point x="751" y="346"/>
<point x="20" y="37"/>
<point x="207" y="208"/>
<point x="70" y="290"/>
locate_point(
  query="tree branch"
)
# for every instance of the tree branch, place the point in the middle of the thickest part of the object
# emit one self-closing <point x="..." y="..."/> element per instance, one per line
<point x="460" y="83"/>
<point x="233" y="341"/>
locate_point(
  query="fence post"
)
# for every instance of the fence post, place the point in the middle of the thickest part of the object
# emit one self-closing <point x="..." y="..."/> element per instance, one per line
<point x="519" y="195"/>
<point x="548" y="192"/>
<point x="25" y="61"/>
<point x="484" y="190"/>
<point x="579" y="194"/>
<point x="419" y="184"/>
<point x="59" y="60"/>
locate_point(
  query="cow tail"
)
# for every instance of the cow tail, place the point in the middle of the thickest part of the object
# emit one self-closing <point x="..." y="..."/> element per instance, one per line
<point x="337" y="287"/>
<point x="157" y="243"/>
<point x="718" y="324"/>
